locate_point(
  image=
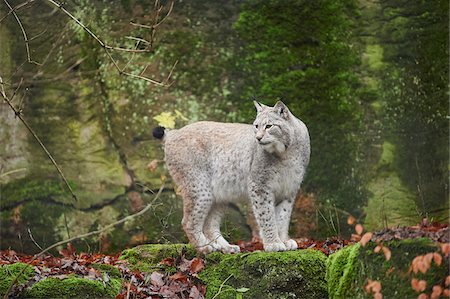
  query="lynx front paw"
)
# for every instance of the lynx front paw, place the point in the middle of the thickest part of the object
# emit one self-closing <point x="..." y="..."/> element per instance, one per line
<point x="205" y="249"/>
<point x="291" y="244"/>
<point x="273" y="247"/>
<point x="230" y="249"/>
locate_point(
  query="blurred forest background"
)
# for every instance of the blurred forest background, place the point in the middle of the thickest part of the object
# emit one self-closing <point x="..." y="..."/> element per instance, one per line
<point x="369" y="78"/>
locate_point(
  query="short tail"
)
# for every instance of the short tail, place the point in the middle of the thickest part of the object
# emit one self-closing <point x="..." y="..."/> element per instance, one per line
<point x="159" y="132"/>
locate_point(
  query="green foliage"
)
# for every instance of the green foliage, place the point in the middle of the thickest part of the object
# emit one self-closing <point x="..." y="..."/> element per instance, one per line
<point x="415" y="97"/>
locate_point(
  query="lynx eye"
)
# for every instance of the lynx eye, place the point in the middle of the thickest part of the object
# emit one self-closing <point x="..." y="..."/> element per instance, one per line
<point x="268" y="126"/>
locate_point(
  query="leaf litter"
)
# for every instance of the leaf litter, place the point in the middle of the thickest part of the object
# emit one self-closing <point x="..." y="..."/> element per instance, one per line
<point x="183" y="282"/>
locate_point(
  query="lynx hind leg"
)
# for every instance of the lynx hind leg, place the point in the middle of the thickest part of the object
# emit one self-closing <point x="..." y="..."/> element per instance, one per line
<point x="283" y="213"/>
<point x="197" y="203"/>
<point x="212" y="230"/>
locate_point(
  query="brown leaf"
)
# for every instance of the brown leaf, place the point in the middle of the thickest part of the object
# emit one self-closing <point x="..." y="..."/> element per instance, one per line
<point x="196" y="265"/>
<point x="445" y="247"/>
<point x="179" y="276"/>
<point x="376" y="287"/>
<point x="355" y="237"/>
<point x="377" y="296"/>
<point x="365" y="238"/>
<point x="422" y="296"/>
<point x="447" y="281"/>
<point x="446" y="293"/>
<point x="195" y="294"/>
<point x="351" y="220"/>
<point x="387" y="253"/>
<point x="415" y="284"/>
<point x="69" y="252"/>
<point x="157" y="279"/>
<point x="422" y="285"/>
<point x="359" y="229"/>
<point x="377" y="249"/>
<point x="373" y="286"/>
<point x="437" y="291"/>
<point x="168" y="261"/>
<point x="437" y="258"/>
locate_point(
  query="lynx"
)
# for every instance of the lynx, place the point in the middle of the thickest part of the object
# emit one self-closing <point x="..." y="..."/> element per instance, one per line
<point x="215" y="163"/>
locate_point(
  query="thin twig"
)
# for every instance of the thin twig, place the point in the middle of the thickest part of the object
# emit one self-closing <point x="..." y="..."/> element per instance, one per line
<point x="25" y="37"/>
<point x="16" y="8"/>
<point x="19" y="115"/>
<point x="32" y="239"/>
<point x="99" y="231"/>
<point x="107" y="48"/>
<point x="221" y="286"/>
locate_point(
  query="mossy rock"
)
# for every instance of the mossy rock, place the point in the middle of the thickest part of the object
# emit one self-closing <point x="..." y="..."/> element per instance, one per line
<point x="147" y="257"/>
<point x="292" y="274"/>
<point x="349" y="270"/>
<point x="74" y="287"/>
<point x="9" y="272"/>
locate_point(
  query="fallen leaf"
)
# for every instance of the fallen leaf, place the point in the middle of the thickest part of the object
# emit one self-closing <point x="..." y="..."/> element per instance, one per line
<point x="446" y="293"/>
<point x="377" y="249"/>
<point x="365" y="238"/>
<point x="445" y="247"/>
<point x="179" y="276"/>
<point x="351" y="220"/>
<point x="377" y="296"/>
<point x="157" y="279"/>
<point x="437" y="258"/>
<point x="447" y="281"/>
<point x="196" y="265"/>
<point x="168" y="261"/>
<point x="387" y="253"/>
<point x="359" y="229"/>
<point x="415" y="284"/>
<point x="437" y="291"/>
<point x="422" y="285"/>
<point x="422" y="296"/>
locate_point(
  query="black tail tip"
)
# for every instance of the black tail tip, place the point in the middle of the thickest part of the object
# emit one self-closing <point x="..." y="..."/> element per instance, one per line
<point x="158" y="132"/>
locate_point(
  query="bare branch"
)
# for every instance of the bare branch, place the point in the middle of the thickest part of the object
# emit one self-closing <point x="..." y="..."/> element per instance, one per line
<point x="19" y="115"/>
<point x="106" y="47"/>
<point x="16" y="8"/>
<point x="25" y="37"/>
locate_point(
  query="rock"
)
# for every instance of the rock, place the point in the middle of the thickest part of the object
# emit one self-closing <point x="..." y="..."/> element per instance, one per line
<point x="292" y="274"/>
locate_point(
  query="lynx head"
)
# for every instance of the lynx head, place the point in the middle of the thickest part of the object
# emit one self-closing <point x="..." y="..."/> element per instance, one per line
<point x="273" y="127"/>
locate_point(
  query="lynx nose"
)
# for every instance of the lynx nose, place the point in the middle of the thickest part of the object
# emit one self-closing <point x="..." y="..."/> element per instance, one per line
<point x="259" y="137"/>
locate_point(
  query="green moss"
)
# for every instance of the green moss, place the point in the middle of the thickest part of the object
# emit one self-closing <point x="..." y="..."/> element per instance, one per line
<point x="147" y="257"/>
<point x="73" y="287"/>
<point x="349" y="269"/>
<point x="111" y="270"/>
<point x="28" y="188"/>
<point x="293" y="274"/>
<point x="341" y="271"/>
<point x="9" y="272"/>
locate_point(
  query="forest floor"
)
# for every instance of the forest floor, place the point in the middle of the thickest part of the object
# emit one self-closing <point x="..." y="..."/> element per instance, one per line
<point x="183" y="282"/>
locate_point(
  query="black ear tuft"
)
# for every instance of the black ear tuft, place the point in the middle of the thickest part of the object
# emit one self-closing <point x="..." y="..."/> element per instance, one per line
<point x="158" y="132"/>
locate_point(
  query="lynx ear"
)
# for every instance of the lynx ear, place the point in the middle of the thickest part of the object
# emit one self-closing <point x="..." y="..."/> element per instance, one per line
<point x="258" y="105"/>
<point x="282" y="109"/>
